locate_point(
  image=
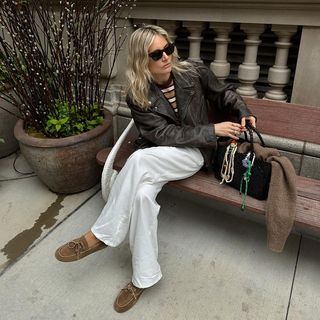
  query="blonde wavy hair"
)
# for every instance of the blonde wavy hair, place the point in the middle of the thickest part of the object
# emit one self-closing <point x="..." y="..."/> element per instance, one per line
<point x="138" y="74"/>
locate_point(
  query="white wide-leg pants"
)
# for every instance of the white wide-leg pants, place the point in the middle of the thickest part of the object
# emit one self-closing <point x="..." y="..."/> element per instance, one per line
<point x="132" y="205"/>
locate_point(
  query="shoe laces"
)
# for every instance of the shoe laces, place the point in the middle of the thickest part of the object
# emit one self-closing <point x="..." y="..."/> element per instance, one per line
<point x="131" y="288"/>
<point x="77" y="246"/>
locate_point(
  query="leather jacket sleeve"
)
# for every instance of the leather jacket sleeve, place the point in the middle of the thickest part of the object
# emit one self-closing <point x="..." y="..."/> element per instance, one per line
<point x="222" y="96"/>
<point x="162" y="131"/>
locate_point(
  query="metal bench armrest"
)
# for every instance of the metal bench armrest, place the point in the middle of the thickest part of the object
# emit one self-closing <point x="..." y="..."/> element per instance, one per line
<point x="108" y="173"/>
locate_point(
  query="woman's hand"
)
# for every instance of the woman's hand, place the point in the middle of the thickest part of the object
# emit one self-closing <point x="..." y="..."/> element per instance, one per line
<point x="251" y="119"/>
<point x="229" y="129"/>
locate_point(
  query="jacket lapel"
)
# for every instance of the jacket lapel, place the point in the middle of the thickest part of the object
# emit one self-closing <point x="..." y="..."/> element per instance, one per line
<point x="184" y="86"/>
<point x="159" y="103"/>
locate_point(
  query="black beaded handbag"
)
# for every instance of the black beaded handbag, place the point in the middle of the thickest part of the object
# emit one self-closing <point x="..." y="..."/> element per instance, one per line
<point x="243" y="171"/>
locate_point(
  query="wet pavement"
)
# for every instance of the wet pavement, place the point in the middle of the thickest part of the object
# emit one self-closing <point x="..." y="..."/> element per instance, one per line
<point x="28" y="209"/>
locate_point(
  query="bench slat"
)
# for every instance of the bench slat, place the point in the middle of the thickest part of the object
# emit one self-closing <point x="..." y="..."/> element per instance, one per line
<point x="286" y="119"/>
<point x="307" y="214"/>
<point x="308" y="188"/>
<point x="204" y="184"/>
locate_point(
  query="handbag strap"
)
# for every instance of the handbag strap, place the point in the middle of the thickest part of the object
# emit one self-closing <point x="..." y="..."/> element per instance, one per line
<point x="252" y="129"/>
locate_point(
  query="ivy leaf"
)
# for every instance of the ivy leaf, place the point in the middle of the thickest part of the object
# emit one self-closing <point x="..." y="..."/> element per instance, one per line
<point x="53" y="121"/>
<point x="64" y="120"/>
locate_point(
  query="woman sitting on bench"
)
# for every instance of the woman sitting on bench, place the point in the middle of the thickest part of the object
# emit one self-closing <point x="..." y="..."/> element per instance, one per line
<point x="169" y="102"/>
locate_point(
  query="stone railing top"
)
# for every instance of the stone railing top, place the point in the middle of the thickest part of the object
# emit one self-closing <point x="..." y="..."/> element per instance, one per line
<point x="247" y="3"/>
<point x="294" y="12"/>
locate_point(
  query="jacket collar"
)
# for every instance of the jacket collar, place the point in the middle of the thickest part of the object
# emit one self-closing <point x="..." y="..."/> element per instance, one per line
<point x="184" y="87"/>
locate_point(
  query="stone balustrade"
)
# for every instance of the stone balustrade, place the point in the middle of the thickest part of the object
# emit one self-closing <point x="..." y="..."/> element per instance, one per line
<point x="295" y="26"/>
<point x="249" y="69"/>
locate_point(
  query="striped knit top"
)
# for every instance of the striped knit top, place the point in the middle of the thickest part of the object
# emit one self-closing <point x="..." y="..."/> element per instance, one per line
<point x="169" y="92"/>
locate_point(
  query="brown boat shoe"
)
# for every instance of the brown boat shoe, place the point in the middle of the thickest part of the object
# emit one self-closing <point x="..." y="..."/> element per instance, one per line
<point x="77" y="249"/>
<point x="127" y="297"/>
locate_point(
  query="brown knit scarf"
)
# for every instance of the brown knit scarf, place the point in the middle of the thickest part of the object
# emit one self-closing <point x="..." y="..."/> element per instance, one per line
<point x="281" y="202"/>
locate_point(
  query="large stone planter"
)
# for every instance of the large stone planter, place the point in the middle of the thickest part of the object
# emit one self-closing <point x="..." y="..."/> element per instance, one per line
<point x="7" y="123"/>
<point x="66" y="165"/>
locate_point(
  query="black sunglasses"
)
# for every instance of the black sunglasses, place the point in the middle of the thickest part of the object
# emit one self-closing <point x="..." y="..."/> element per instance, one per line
<point x="157" y="54"/>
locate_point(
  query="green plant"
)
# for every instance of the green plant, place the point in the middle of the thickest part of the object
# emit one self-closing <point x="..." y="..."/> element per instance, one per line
<point x="53" y="60"/>
<point x="69" y="122"/>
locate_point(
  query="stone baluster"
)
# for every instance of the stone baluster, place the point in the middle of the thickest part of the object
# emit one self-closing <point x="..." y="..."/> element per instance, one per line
<point x="195" y="28"/>
<point x="279" y="73"/>
<point x="220" y="66"/>
<point x="248" y="72"/>
<point x="170" y="26"/>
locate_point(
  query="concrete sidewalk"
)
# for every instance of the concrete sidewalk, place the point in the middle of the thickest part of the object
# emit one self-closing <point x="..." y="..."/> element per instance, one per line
<point x="215" y="265"/>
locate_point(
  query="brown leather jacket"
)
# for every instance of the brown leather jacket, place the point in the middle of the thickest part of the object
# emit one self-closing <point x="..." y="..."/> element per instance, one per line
<point x="198" y="95"/>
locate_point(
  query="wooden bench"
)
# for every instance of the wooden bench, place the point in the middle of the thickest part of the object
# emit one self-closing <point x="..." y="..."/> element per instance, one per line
<point x="285" y="120"/>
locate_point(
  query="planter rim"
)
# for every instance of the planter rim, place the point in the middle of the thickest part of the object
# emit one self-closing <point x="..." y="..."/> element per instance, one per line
<point x="25" y="138"/>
